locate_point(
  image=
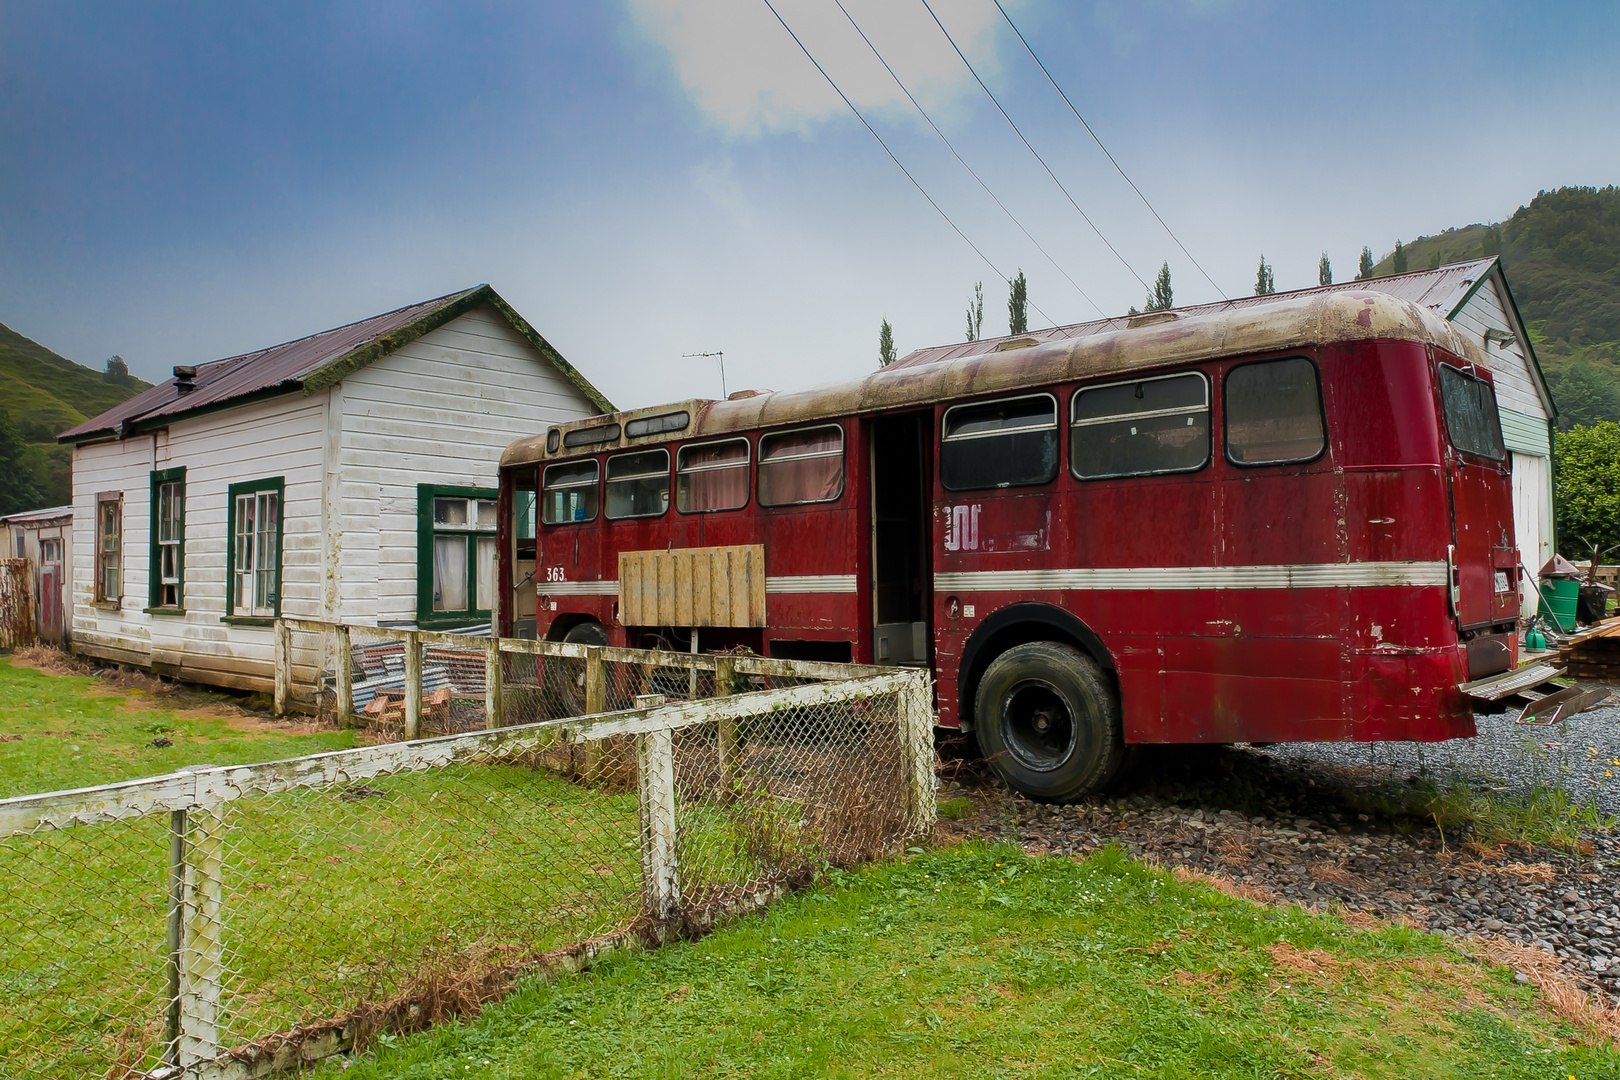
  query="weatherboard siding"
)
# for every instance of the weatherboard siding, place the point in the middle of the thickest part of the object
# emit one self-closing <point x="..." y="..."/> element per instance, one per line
<point x="1510" y="366"/>
<point x="283" y="437"/>
<point x="439" y="410"/>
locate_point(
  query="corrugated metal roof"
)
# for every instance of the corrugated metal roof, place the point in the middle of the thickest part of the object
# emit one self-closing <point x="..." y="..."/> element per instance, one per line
<point x="1439" y="290"/>
<point x="36" y="517"/>
<point x="307" y="363"/>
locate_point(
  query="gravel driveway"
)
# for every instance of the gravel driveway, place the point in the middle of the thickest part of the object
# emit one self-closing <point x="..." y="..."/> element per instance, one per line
<point x="1584" y="751"/>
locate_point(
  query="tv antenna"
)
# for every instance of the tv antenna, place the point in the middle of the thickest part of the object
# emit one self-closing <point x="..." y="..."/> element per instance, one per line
<point x="718" y="355"/>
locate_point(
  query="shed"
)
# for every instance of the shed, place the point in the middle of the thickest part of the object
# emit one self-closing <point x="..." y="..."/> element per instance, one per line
<point x="1475" y="297"/>
<point x="349" y="476"/>
<point x="44" y="538"/>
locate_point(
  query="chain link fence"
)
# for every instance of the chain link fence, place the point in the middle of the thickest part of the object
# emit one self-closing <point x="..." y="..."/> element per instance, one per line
<point x="223" y="922"/>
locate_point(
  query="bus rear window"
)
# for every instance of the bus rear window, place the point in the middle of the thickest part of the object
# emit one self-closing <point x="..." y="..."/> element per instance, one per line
<point x="1471" y="417"/>
<point x="712" y="476"/>
<point x="1158" y="425"/>
<point x="1274" y="412"/>
<point x="1009" y="443"/>
<point x="637" y="484"/>
<point x="801" y="466"/>
<point x="568" y="492"/>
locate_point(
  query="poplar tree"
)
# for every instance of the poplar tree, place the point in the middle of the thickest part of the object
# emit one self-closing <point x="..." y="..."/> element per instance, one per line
<point x="1264" y="283"/>
<point x="1324" y="271"/>
<point x="886" y="353"/>
<point x="1399" y="265"/>
<point x="1162" y="297"/>
<point x="1017" y="304"/>
<point x="1364" y="270"/>
<point x="975" y="312"/>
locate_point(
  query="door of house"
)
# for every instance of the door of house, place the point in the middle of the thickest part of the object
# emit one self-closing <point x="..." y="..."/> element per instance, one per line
<point x="50" y="591"/>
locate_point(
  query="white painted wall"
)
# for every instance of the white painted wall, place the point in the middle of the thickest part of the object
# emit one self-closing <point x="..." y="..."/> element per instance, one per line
<point x="1510" y="366"/>
<point x="440" y="410"/>
<point x="1532" y="519"/>
<point x="282" y="437"/>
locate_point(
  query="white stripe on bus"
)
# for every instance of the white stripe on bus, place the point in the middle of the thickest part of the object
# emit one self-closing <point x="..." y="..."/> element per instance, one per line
<point x="812" y="583"/>
<point x="1286" y="576"/>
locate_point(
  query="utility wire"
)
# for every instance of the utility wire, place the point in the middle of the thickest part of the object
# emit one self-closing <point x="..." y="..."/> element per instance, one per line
<point x="886" y="149"/>
<point x="1032" y="150"/>
<point x="1104" y="149"/>
<point x="963" y="163"/>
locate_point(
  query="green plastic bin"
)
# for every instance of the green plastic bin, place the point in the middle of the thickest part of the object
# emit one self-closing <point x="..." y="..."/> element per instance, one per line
<point x="1558" y="598"/>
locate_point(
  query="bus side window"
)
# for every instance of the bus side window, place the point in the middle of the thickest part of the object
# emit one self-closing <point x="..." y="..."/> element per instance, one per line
<point x="1274" y="413"/>
<point x="801" y="466"/>
<point x="1008" y="443"/>
<point x="637" y="484"/>
<point x="1157" y="425"/>
<point x="1471" y="417"/>
<point x="712" y="476"/>
<point x="568" y="492"/>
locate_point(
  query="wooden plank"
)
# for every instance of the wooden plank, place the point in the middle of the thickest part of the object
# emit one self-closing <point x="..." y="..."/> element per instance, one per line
<point x="413" y="687"/>
<point x="664" y="561"/>
<point x="494" y="699"/>
<point x="703" y="592"/>
<point x="629" y="601"/>
<point x="683" y="564"/>
<point x="720" y="595"/>
<point x="283" y="634"/>
<point x="756" y="585"/>
<point x="345" y="677"/>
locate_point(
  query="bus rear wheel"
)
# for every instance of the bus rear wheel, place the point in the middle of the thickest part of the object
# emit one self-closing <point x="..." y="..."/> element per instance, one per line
<point x="1048" y="721"/>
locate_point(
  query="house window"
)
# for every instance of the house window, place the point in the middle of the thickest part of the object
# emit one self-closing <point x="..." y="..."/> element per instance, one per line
<point x="109" y="547"/>
<point x="255" y="530"/>
<point x="168" y="533"/>
<point x="456" y="553"/>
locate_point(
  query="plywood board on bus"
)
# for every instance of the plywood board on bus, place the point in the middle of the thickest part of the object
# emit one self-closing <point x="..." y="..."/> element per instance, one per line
<point x="711" y="586"/>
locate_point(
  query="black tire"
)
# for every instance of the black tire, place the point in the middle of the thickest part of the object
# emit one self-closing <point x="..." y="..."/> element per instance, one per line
<point x="568" y="676"/>
<point x="1048" y="721"/>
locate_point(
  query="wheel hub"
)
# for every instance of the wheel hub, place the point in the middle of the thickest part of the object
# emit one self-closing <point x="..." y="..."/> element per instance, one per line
<point x="1037" y="725"/>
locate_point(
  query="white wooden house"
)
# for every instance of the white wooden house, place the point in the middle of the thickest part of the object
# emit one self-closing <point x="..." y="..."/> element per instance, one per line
<point x="349" y="475"/>
<point x="1474" y="295"/>
<point x="44" y="538"/>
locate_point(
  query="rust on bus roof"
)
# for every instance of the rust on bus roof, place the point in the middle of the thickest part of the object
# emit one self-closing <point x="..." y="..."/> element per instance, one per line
<point x="1159" y="340"/>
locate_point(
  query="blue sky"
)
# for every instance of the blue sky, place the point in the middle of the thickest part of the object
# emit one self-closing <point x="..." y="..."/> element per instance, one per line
<point x="650" y="178"/>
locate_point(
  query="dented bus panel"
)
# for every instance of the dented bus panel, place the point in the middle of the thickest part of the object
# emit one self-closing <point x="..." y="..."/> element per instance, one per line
<point x="1281" y="522"/>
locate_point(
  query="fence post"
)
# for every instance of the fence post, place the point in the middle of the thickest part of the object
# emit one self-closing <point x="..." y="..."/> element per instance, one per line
<point x="172" y="933"/>
<point x="413" y="686"/>
<point x="595" y="702"/>
<point x="494" y="700"/>
<point x="283" y="665"/>
<point x="201" y="954"/>
<point x="726" y="730"/>
<point x="916" y="708"/>
<point x="660" y="877"/>
<point x="345" y="677"/>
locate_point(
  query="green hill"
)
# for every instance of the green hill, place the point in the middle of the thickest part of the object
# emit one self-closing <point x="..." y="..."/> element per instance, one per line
<point x="1562" y="257"/>
<point x="41" y="394"/>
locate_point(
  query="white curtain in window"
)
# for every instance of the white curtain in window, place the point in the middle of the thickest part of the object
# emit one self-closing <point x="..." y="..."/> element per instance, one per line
<point x="450" y="573"/>
<point x="486" y="574"/>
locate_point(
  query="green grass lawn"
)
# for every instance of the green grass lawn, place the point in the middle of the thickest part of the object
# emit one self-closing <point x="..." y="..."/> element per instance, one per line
<point x="67" y="731"/>
<point x="975" y="962"/>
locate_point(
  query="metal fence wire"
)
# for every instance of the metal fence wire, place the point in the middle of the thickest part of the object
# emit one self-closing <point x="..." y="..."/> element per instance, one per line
<point x="226" y="922"/>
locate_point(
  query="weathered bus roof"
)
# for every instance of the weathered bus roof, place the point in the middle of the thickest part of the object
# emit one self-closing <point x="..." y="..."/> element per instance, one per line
<point x="1152" y="340"/>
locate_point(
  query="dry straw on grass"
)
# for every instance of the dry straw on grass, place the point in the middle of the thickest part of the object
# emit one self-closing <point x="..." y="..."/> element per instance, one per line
<point x="1596" y="1018"/>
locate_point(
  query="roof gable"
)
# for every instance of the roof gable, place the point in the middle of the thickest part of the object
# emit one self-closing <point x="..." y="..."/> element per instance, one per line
<point x="310" y="364"/>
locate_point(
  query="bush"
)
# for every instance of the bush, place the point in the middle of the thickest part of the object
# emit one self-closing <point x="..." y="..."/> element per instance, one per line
<point x="1586" y="488"/>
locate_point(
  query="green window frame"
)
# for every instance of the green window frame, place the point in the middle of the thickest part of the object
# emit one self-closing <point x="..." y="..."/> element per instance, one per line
<point x="254" y="551"/>
<point x="166" y="565"/>
<point x="456" y="558"/>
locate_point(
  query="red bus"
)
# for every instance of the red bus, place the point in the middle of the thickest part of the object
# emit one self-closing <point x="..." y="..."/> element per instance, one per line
<point x="1283" y="521"/>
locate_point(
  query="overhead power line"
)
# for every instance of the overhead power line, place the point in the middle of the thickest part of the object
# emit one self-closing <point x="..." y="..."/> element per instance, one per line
<point x="1104" y="149"/>
<point x="924" y="113"/>
<point x="886" y="150"/>
<point x="1032" y="149"/>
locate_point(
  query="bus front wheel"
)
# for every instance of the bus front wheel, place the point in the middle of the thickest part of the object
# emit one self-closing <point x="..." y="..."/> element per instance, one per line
<point x="1049" y="722"/>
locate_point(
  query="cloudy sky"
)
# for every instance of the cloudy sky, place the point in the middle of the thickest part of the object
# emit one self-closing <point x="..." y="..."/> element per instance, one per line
<point x="650" y="178"/>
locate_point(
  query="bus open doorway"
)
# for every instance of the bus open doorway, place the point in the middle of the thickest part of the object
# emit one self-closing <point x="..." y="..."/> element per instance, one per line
<point x="902" y="570"/>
